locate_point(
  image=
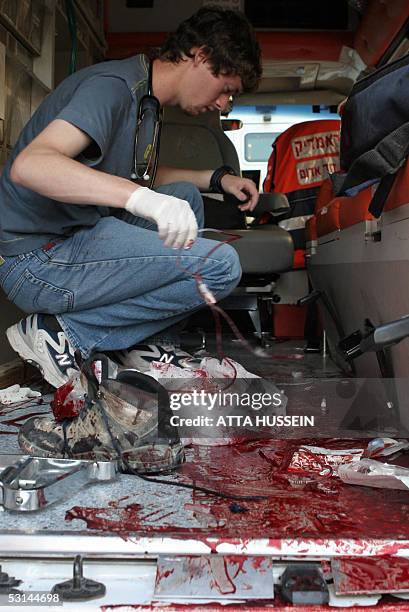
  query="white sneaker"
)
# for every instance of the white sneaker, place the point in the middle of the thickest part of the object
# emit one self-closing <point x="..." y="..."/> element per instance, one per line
<point x="47" y="349"/>
<point x="140" y="356"/>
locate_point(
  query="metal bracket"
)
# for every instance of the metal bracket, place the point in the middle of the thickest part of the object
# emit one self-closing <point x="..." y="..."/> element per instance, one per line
<point x="375" y="339"/>
<point x="32" y="483"/>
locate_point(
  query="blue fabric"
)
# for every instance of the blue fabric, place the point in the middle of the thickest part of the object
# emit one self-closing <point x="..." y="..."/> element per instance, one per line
<point x="115" y="284"/>
<point x="102" y="101"/>
<point x="353" y="191"/>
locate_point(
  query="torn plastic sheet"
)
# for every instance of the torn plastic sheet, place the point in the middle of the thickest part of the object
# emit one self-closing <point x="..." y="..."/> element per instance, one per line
<point x="370" y="473"/>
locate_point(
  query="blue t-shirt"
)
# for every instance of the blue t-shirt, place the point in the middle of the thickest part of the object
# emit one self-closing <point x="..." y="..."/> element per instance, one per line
<point x="102" y="101"/>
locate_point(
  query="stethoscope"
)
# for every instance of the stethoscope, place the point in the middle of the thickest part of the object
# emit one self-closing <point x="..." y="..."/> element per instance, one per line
<point x="147" y="137"/>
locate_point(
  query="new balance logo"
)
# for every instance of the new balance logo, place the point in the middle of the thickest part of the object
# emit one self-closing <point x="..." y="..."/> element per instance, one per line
<point x="63" y="360"/>
<point x="167" y="358"/>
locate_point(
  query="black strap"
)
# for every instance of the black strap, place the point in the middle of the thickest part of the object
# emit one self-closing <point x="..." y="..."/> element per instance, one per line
<point x="381" y="195"/>
<point x="274" y="168"/>
<point x="86" y="368"/>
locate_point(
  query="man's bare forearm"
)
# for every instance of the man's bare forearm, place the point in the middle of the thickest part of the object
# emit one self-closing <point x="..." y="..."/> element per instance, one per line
<point x="61" y="178"/>
<point x="200" y="178"/>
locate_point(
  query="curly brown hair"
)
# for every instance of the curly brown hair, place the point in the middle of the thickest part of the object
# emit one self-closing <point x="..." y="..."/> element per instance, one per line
<point x="226" y="37"/>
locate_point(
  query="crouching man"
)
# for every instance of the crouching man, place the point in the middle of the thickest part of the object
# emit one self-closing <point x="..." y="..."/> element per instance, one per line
<point x="100" y="262"/>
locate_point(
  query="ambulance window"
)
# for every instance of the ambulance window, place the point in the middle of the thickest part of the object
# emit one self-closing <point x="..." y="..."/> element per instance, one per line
<point x="257" y="146"/>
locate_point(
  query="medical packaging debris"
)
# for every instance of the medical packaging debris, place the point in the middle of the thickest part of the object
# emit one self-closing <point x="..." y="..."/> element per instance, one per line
<point x="322" y="461"/>
<point x="371" y="473"/>
<point x="16" y="394"/>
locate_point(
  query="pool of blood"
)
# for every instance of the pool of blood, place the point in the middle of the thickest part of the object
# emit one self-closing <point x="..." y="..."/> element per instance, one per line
<point x="307" y="507"/>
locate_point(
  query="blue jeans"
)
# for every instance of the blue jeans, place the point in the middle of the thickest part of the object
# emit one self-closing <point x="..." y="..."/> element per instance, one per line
<point x="115" y="284"/>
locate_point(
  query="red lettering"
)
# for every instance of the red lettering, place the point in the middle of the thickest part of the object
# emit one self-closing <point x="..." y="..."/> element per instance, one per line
<point x="329" y="141"/>
<point x="298" y="147"/>
<point x="320" y="142"/>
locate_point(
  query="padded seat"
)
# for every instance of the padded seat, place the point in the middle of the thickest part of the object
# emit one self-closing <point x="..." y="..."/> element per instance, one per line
<point x="339" y="213"/>
<point x="325" y="195"/>
<point x="399" y="194"/>
<point x="328" y="218"/>
<point x="262" y="252"/>
<point x="197" y="143"/>
<point x="354" y="210"/>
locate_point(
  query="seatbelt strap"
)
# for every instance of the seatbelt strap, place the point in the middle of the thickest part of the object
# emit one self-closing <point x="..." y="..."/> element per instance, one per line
<point x="381" y="195"/>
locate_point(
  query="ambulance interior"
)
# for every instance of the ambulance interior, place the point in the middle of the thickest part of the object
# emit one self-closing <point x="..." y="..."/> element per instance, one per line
<point x="342" y="255"/>
<point x="319" y="313"/>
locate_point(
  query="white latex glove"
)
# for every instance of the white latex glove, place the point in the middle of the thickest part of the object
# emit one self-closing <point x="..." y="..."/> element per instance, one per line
<point x="15" y="394"/>
<point x="175" y="219"/>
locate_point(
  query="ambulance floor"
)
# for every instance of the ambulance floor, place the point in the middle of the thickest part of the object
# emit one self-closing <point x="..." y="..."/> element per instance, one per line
<point x="263" y="507"/>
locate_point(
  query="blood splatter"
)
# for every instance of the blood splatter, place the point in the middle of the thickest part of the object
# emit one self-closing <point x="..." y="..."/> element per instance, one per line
<point x="161" y="575"/>
<point x="313" y="509"/>
<point x="374" y="575"/>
